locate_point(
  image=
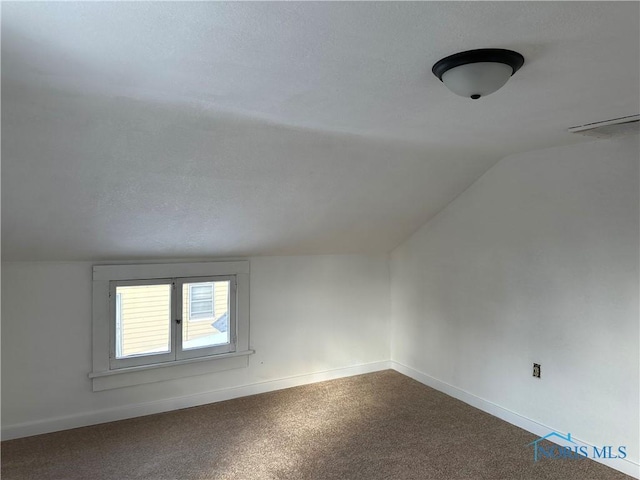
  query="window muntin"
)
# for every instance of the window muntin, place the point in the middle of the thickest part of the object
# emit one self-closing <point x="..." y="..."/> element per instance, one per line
<point x="152" y="322"/>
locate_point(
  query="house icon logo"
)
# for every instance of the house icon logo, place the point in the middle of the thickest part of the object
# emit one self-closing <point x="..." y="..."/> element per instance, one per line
<point x="563" y="447"/>
<point x="566" y="438"/>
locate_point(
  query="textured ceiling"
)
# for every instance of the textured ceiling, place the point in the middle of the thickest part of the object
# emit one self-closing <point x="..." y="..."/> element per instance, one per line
<point x="134" y="130"/>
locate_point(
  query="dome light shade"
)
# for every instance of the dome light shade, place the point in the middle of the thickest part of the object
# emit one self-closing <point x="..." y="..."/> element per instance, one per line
<point x="478" y="73"/>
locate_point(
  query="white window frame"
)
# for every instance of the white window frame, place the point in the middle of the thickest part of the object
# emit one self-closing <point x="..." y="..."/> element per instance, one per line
<point x="118" y="334"/>
<point x="213" y="305"/>
<point x="104" y="376"/>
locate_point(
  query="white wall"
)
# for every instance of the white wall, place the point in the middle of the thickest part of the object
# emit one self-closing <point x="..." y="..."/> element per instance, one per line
<point x="536" y="262"/>
<point x="308" y="314"/>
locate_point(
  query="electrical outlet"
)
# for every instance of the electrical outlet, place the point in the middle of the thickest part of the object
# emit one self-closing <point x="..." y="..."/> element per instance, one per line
<point x="536" y="370"/>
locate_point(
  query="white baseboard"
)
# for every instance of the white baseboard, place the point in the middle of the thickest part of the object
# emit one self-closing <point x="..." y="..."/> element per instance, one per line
<point x="626" y="466"/>
<point x="141" y="409"/>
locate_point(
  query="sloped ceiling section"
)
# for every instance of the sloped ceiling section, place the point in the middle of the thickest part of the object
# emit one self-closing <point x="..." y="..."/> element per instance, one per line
<point x="147" y="130"/>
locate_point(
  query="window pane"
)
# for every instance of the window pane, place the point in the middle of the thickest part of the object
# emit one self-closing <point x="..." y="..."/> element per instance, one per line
<point x="201" y="291"/>
<point x="205" y="314"/>
<point x="143" y="320"/>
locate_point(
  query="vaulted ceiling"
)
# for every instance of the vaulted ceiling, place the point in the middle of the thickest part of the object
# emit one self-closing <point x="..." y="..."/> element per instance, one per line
<point x="157" y="129"/>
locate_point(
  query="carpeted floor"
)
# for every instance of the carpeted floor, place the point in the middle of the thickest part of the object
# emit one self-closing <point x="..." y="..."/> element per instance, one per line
<point x="377" y="426"/>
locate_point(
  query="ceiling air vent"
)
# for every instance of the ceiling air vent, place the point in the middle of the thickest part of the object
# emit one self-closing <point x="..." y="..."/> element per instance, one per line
<point x="610" y="128"/>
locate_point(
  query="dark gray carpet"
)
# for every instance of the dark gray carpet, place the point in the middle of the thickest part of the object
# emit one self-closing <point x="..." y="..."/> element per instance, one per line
<point x="377" y="426"/>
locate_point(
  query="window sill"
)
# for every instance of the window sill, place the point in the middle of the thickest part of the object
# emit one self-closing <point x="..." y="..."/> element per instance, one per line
<point x="129" y="376"/>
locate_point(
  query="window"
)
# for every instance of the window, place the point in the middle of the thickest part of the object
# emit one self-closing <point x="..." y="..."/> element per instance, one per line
<point x="164" y="320"/>
<point x="201" y="302"/>
<point x="154" y="319"/>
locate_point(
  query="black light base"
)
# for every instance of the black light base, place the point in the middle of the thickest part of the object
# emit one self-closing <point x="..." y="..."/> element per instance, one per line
<point x="497" y="55"/>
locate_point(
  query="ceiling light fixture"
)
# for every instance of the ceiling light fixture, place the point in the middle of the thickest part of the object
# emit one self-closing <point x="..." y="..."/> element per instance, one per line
<point x="477" y="73"/>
